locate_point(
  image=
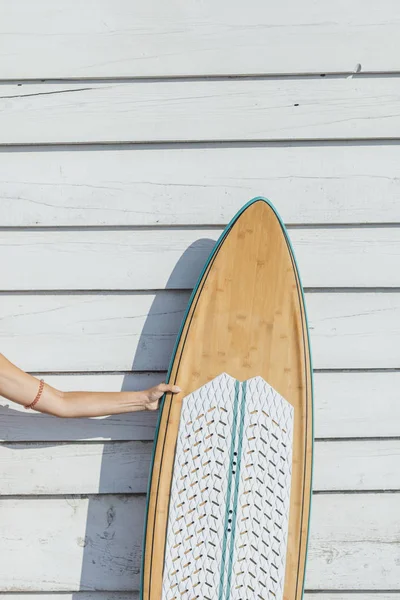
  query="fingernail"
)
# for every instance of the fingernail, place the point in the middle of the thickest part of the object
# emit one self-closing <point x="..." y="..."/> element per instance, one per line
<point x="178" y="389"/>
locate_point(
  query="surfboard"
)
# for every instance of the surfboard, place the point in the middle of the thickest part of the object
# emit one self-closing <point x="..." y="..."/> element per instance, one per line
<point x="230" y="486"/>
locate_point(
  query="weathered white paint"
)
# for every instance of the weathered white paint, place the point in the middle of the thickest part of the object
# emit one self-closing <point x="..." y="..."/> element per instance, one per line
<point x="101" y="596"/>
<point x="135" y="596"/>
<point x="345" y="407"/>
<point x="155" y="39"/>
<point x="340" y="183"/>
<point x="93" y="332"/>
<point x="349" y="596"/>
<point x="120" y="332"/>
<point x="227" y="110"/>
<point x="357" y="466"/>
<point x="158" y="259"/>
<point x="123" y="467"/>
<point x="137" y="260"/>
<point x="74" y="543"/>
<point x="353" y="543"/>
<point x="115" y="467"/>
<point x="71" y="544"/>
<point x="346" y="404"/>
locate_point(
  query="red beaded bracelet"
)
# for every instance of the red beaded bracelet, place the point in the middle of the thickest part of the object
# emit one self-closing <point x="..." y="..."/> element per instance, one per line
<point x="37" y="398"/>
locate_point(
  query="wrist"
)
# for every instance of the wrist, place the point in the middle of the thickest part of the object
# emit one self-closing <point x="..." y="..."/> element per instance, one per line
<point x="130" y="401"/>
<point x="141" y="399"/>
<point x="149" y="402"/>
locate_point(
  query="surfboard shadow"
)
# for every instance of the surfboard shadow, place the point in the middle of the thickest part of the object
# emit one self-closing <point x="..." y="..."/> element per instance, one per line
<point x="112" y="554"/>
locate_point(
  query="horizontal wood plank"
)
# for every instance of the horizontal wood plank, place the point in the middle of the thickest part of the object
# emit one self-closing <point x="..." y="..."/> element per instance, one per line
<point x="123" y="467"/>
<point x="352" y="405"/>
<point x="111" y="260"/>
<point x="193" y="111"/>
<point x="173" y="259"/>
<point x="135" y="596"/>
<point x="345" y="406"/>
<point x="122" y="332"/>
<point x="335" y="595"/>
<point x="85" y="596"/>
<point x="151" y="39"/>
<point x="357" y="465"/>
<point x="311" y="595"/>
<point x="95" y="543"/>
<point x="92" y="332"/>
<point x="343" y="183"/>
<point x="91" y="468"/>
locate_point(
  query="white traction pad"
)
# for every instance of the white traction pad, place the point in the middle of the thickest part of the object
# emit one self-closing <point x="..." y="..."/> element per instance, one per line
<point x="230" y="494"/>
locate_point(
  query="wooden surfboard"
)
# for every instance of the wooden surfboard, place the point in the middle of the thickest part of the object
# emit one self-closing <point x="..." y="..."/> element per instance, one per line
<point x="230" y="487"/>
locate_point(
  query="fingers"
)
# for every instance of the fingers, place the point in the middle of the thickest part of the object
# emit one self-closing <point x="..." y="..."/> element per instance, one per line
<point x="166" y="387"/>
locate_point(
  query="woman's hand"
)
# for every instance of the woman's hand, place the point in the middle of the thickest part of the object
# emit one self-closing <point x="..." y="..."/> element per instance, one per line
<point x="154" y="394"/>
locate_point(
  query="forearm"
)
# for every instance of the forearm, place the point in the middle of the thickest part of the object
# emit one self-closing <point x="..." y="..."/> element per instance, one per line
<point x="20" y="387"/>
<point x="94" y="404"/>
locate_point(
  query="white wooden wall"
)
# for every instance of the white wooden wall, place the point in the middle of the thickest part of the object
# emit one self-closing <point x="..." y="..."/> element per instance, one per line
<point x="130" y="133"/>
